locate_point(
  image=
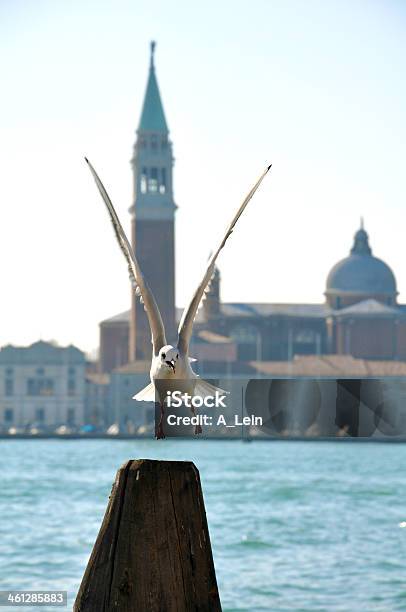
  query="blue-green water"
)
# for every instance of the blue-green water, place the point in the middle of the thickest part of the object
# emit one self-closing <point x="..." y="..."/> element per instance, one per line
<point x="294" y="525"/>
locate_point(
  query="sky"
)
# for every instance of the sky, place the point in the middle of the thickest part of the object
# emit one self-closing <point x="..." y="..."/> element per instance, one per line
<point x="317" y="88"/>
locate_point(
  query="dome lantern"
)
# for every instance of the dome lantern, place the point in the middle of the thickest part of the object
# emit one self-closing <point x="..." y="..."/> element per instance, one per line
<point x="361" y="242"/>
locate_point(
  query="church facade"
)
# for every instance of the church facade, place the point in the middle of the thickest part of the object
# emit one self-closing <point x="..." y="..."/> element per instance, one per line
<point x="359" y="316"/>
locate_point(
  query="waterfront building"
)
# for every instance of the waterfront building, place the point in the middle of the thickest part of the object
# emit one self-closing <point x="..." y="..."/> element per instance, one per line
<point x="41" y="384"/>
<point x="97" y="399"/>
<point x="359" y="315"/>
<point x="124" y="383"/>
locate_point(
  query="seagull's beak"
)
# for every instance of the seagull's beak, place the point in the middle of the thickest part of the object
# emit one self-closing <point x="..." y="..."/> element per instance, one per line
<point x="171" y="364"/>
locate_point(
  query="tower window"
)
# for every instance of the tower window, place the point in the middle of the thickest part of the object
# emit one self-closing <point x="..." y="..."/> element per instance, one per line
<point x="164" y="143"/>
<point x="143" y="181"/>
<point x="162" y="186"/>
<point x="153" y="180"/>
<point x="154" y="143"/>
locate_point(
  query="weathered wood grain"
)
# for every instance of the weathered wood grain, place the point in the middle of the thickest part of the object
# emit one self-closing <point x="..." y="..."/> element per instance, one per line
<point x="153" y="550"/>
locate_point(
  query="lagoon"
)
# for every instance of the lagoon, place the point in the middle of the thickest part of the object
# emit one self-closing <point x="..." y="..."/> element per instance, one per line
<point x="310" y="526"/>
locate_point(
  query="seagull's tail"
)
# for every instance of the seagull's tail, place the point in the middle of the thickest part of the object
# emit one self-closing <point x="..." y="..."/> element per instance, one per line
<point x="147" y="394"/>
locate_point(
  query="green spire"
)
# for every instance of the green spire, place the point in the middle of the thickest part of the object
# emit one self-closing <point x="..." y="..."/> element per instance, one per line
<point x="152" y="116"/>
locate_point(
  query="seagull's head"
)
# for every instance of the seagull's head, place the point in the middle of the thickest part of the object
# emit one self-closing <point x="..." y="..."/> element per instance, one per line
<point x="169" y="356"/>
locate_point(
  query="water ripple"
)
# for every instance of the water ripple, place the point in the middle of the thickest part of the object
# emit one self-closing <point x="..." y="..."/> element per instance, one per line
<point x="294" y="526"/>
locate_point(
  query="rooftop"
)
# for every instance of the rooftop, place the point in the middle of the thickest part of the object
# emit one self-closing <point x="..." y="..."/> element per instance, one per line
<point x="371" y="308"/>
<point x="240" y="309"/>
<point x="335" y="366"/>
<point x="41" y="352"/>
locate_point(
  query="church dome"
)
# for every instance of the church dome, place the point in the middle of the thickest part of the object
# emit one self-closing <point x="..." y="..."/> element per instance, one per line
<point x="360" y="275"/>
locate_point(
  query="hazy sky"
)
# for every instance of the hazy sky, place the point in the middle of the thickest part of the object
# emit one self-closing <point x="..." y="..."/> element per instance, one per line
<point x="317" y="88"/>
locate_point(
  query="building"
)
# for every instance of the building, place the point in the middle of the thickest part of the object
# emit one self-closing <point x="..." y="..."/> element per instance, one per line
<point x="152" y="234"/>
<point x="326" y="395"/>
<point x="42" y="384"/>
<point x="124" y="383"/>
<point x="153" y="217"/>
<point x="97" y="399"/>
<point x="359" y="315"/>
<point x="114" y="341"/>
<point x="365" y="320"/>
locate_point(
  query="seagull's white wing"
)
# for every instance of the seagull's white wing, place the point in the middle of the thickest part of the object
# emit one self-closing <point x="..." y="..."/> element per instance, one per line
<point x="189" y="314"/>
<point x="139" y="283"/>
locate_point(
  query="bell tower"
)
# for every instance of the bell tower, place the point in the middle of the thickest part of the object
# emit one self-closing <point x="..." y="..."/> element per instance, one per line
<point x="153" y="217"/>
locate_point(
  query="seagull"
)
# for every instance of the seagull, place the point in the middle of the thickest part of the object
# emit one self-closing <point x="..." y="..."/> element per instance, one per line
<point x="170" y="365"/>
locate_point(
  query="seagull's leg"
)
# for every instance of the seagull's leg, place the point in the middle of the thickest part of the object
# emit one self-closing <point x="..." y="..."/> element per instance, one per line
<point x="159" y="431"/>
<point x="198" y="428"/>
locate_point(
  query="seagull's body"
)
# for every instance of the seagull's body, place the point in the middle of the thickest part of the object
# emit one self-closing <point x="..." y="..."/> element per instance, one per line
<point x="170" y="366"/>
<point x="164" y="378"/>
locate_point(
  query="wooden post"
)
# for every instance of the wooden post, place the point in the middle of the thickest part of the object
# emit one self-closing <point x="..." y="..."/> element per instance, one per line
<point x="153" y="550"/>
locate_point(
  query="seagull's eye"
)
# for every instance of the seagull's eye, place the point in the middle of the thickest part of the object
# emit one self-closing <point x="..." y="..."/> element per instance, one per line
<point x="163" y="355"/>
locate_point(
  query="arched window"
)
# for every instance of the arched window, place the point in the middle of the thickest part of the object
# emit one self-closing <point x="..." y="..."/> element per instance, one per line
<point x="153" y="180"/>
<point x="162" y="184"/>
<point x="143" y="180"/>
